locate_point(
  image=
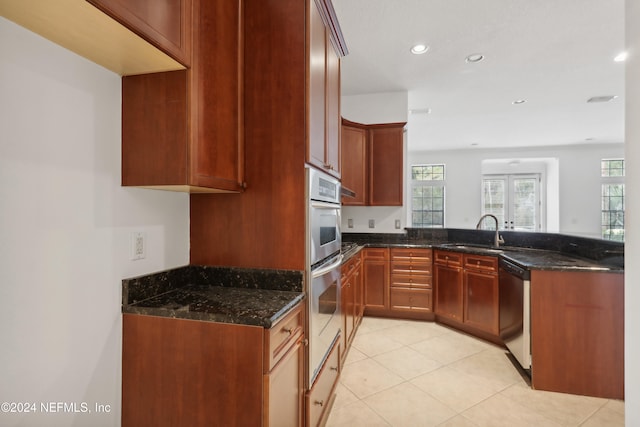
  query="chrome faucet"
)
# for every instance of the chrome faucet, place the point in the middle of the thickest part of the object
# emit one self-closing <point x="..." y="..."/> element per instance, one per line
<point x="498" y="239"/>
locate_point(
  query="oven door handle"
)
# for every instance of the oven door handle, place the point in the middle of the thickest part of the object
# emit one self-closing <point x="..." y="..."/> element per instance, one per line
<point x="325" y="269"/>
<point x="324" y="205"/>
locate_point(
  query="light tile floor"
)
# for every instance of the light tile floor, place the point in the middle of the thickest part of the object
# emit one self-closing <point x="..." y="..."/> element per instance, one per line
<point x="412" y="373"/>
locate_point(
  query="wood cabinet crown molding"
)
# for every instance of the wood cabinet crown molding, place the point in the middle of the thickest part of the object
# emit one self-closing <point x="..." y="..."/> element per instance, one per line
<point x="330" y="19"/>
<point x="84" y="29"/>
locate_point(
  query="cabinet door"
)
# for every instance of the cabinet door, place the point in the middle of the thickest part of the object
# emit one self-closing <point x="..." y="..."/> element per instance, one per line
<point x="376" y="281"/>
<point x="386" y="161"/>
<point x="347" y="300"/>
<point x="333" y="152"/>
<point x="316" y="148"/>
<point x="182" y="130"/>
<point x="164" y="23"/>
<point x="358" y="294"/>
<point x="216" y="96"/>
<point x="481" y="305"/>
<point x="284" y="390"/>
<point x="354" y="157"/>
<point x="448" y="282"/>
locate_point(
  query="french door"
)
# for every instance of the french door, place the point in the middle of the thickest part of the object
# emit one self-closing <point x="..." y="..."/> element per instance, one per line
<point x="514" y="200"/>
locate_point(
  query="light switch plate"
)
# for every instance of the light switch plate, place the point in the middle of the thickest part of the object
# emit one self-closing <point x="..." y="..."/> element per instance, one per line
<point x="397" y="224"/>
<point x="372" y="223"/>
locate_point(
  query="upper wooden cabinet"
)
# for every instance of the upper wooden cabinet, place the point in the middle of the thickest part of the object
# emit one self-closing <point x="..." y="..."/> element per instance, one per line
<point x="373" y="159"/>
<point x="183" y="130"/>
<point x="354" y="157"/>
<point x="132" y="48"/>
<point x="323" y="144"/>
<point x="386" y="160"/>
<point x="164" y="23"/>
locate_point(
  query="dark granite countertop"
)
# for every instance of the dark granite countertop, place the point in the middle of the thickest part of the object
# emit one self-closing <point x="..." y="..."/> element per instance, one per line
<point x="258" y="307"/>
<point x="532" y="259"/>
<point x="535" y="259"/>
<point x="215" y="294"/>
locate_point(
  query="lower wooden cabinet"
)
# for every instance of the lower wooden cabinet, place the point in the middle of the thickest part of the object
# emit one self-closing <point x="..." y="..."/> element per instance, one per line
<point x="398" y="283"/>
<point x="586" y="354"/>
<point x="410" y="282"/>
<point x="282" y="389"/>
<point x="466" y="288"/>
<point x="375" y="273"/>
<point x="351" y="300"/>
<point x="481" y="303"/>
<point x="322" y="395"/>
<point x="196" y="373"/>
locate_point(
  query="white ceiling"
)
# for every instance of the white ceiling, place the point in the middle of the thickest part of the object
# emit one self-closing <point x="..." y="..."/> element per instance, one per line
<point x="556" y="54"/>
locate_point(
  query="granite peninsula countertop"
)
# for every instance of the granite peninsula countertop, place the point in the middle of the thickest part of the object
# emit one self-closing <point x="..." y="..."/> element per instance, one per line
<point x="215" y="294"/>
<point x="531" y="259"/>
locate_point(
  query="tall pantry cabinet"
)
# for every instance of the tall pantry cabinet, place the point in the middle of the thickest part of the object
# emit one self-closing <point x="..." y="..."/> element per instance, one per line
<point x="284" y="116"/>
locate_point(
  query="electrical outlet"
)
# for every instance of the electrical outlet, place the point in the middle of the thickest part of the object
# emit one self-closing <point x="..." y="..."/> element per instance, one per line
<point x="372" y="223"/>
<point x="350" y="223"/>
<point x="138" y="245"/>
<point x="397" y="224"/>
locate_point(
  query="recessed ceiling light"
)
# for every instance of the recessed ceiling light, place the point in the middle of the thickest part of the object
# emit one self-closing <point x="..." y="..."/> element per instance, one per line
<point x="605" y="98"/>
<point x="420" y="111"/>
<point x="419" y="49"/>
<point x="621" y="57"/>
<point x="519" y="101"/>
<point x="474" y="144"/>
<point x="474" y="57"/>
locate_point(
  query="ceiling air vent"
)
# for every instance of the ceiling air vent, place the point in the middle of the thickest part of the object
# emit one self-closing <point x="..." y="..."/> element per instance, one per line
<point x="605" y="98"/>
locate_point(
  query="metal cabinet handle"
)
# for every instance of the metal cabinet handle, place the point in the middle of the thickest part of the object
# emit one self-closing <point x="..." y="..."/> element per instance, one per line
<point x="334" y="368"/>
<point x="287" y="330"/>
<point x="319" y="402"/>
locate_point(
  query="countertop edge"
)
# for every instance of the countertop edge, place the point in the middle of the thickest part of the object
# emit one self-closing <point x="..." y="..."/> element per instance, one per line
<point x="246" y="320"/>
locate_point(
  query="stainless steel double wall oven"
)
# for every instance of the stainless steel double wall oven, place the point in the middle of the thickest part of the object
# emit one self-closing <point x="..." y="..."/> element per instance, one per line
<point x="323" y="266"/>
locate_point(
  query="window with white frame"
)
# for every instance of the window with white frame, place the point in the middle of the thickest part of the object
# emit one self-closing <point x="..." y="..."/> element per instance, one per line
<point x="427" y="196"/>
<point x="612" y="173"/>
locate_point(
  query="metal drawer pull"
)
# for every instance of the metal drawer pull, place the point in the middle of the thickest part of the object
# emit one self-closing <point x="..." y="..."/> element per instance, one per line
<point x="334" y="368"/>
<point x="287" y="330"/>
<point x="319" y="402"/>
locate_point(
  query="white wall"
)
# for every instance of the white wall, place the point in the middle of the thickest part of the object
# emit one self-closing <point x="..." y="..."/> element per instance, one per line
<point x="632" y="215"/>
<point x="385" y="107"/>
<point x="579" y="182"/>
<point x="372" y="108"/>
<point x="65" y="224"/>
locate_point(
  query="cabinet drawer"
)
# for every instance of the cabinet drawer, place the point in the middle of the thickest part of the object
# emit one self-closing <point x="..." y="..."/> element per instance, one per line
<point x="411" y="281"/>
<point x="376" y="253"/>
<point x="281" y="336"/>
<point x="350" y="266"/>
<point x="486" y="264"/>
<point x="406" y="267"/>
<point x="414" y="254"/>
<point x="411" y="299"/>
<point x="448" y="258"/>
<point x="320" y="397"/>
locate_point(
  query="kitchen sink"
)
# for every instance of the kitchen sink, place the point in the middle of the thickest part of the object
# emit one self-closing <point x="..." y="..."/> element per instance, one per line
<point x="476" y="248"/>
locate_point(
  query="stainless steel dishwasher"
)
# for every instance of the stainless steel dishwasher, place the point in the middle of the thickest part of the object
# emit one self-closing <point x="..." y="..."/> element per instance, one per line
<point x="515" y="318"/>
